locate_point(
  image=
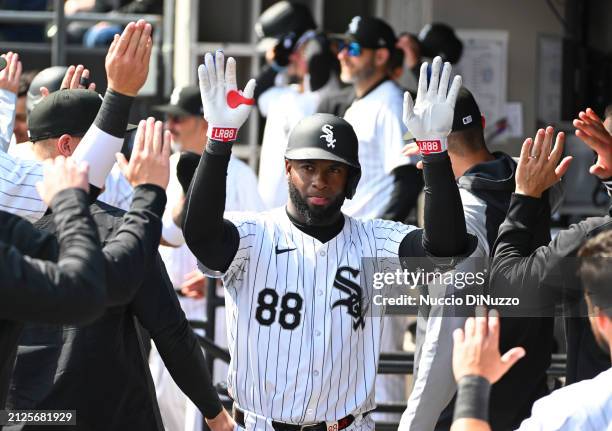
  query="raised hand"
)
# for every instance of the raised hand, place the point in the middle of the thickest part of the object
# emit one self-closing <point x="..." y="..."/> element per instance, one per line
<point x="59" y="174"/>
<point x="150" y="159"/>
<point x="127" y="61"/>
<point x="225" y="108"/>
<point x="430" y="119"/>
<point x="590" y="129"/>
<point x="476" y="349"/>
<point x="539" y="167"/>
<point x="9" y="76"/>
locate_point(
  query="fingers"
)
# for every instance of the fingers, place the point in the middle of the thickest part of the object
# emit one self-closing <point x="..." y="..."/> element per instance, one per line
<point x="411" y="149"/>
<point x="124" y="40"/>
<point x="220" y="65"/>
<point x="135" y="39"/>
<point x="511" y="357"/>
<point x="557" y="150"/>
<point x="493" y="328"/>
<point x="14" y="67"/>
<point x="139" y="139"/>
<point x="204" y="80"/>
<point x="481" y="323"/>
<point x="158" y="137"/>
<point x="454" y="91"/>
<point x="408" y="106"/>
<point x="44" y="91"/>
<point x="144" y="42"/>
<point x="458" y="336"/>
<point x="435" y="78"/>
<point x="149" y="136"/>
<point x="230" y="75"/>
<point x="562" y="168"/>
<point x="249" y="89"/>
<point x="76" y="77"/>
<point x="419" y="165"/>
<point x="536" y="149"/>
<point x="591" y="114"/>
<point x="444" y="80"/>
<point x="526" y="151"/>
<point x="422" y="87"/>
<point x="546" y="145"/>
<point x="68" y="77"/>
<point x="470" y="327"/>
<point x="210" y="66"/>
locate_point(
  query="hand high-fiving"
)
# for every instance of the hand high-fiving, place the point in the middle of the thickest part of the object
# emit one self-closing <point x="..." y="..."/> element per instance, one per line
<point x="127" y="61"/>
<point x="430" y="119"/>
<point x="225" y="108"/>
<point x="590" y="129"/>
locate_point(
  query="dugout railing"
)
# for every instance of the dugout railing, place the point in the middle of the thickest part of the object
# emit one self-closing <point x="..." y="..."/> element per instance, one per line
<point x="390" y="363"/>
<point x="58" y="48"/>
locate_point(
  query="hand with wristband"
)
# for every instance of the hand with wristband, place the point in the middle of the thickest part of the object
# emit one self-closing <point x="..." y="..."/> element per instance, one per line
<point x="477" y="364"/>
<point x="430" y="119"/>
<point x="225" y="108"/>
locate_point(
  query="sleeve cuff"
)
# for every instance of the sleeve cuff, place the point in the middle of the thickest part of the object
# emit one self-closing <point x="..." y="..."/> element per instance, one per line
<point x="524" y="209"/>
<point x="171" y="233"/>
<point x="151" y="196"/>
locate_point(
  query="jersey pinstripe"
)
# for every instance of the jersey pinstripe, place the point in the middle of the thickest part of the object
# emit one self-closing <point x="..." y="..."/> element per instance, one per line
<point x="303" y="342"/>
<point x="18" y="193"/>
<point x="377" y="120"/>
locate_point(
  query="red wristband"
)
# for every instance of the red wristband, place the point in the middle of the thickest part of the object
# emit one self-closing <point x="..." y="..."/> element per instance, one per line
<point x="430" y="146"/>
<point x="223" y="134"/>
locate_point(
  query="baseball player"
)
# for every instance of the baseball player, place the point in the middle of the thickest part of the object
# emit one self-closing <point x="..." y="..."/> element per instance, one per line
<point x="486" y="182"/>
<point x="185" y="120"/>
<point x="303" y="342"/>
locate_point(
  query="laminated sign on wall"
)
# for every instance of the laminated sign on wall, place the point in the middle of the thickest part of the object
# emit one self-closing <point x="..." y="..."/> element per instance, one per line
<point x="484" y="68"/>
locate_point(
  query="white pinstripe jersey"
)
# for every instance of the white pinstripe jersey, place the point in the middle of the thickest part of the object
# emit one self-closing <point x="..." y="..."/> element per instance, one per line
<point x="18" y="193"/>
<point x="377" y="120"/>
<point x="304" y="347"/>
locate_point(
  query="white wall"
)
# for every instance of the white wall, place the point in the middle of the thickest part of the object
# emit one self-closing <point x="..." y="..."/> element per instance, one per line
<point x="524" y="20"/>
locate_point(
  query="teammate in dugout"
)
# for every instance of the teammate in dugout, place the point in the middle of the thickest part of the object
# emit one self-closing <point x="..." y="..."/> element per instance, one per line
<point x="288" y="272"/>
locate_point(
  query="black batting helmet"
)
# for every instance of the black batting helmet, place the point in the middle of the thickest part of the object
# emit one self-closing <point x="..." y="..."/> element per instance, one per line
<point x="51" y="77"/>
<point x="326" y="137"/>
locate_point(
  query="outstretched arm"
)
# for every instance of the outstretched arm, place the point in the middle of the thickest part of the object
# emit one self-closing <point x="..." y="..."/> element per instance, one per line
<point x="213" y="240"/>
<point x="71" y="290"/>
<point x="430" y="120"/>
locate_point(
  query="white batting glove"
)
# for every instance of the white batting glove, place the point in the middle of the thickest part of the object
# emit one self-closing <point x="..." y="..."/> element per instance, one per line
<point x="430" y="120"/>
<point x="225" y="108"/>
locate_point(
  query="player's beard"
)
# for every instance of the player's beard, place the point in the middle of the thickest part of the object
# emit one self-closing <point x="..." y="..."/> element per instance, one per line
<point x="366" y="72"/>
<point x="315" y="215"/>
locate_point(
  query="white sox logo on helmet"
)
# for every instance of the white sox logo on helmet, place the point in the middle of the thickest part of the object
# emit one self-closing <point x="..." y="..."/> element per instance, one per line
<point x="328" y="135"/>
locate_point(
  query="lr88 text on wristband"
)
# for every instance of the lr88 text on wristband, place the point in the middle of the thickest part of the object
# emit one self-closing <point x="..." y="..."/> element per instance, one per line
<point x="38" y="417"/>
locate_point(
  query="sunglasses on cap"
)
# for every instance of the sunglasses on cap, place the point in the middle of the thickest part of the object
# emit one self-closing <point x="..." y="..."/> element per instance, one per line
<point x="354" y="48"/>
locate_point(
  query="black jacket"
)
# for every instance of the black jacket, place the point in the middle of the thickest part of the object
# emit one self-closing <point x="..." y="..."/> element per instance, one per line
<point x="71" y="290"/>
<point x="100" y="369"/>
<point x="547" y="276"/>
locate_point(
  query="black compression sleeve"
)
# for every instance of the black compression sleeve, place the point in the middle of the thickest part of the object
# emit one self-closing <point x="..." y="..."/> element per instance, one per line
<point x="407" y="184"/>
<point x="114" y="112"/>
<point x="213" y="240"/>
<point x="158" y="310"/>
<point x="445" y="234"/>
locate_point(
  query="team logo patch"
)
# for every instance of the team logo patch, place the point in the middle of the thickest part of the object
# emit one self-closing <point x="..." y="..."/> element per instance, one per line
<point x="328" y="135"/>
<point x="467" y="120"/>
<point x="354" y="302"/>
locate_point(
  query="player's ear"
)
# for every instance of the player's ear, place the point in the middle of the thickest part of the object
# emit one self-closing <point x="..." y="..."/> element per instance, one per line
<point x="287" y="168"/>
<point x="64" y="146"/>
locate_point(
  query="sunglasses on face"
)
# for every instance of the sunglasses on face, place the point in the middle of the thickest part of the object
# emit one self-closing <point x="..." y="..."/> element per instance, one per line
<point x="354" y="49"/>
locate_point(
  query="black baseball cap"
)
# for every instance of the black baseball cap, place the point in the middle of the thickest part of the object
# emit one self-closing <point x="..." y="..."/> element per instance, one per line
<point x="467" y="114"/>
<point x="369" y="32"/>
<point x="69" y="112"/>
<point x="184" y="102"/>
<point x="2" y="63"/>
